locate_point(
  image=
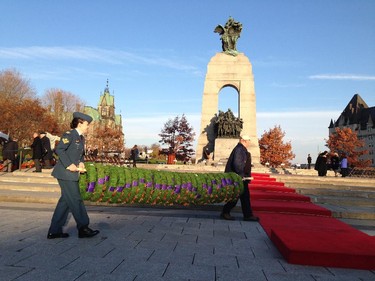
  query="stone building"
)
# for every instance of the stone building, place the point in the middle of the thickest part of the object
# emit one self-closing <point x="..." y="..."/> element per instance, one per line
<point x="105" y="132"/>
<point x="360" y="118"/>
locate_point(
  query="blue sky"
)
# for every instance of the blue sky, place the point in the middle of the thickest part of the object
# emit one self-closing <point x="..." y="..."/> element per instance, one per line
<point x="309" y="58"/>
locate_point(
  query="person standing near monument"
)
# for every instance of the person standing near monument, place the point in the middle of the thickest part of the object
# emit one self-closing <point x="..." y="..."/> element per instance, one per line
<point x="239" y="162"/>
<point x="70" y="164"/>
<point x="10" y="151"/>
<point x="47" y="151"/>
<point x="344" y="165"/>
<point x="37" y="147"/>
<point x="321" y="164"/>
<point x="335" y="163"/>
<point x="206" y="156"/>
<point x="309" y="161"/>
<point x="134" y="153"/>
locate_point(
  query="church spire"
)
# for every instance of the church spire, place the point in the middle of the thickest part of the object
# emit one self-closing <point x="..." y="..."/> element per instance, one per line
<point x="106" y="89"/>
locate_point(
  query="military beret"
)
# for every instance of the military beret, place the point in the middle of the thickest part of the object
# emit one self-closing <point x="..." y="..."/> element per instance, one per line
<point x="82" y="116"/>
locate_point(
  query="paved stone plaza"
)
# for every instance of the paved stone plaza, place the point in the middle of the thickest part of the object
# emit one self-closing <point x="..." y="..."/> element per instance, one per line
<point x="147" y="244"/>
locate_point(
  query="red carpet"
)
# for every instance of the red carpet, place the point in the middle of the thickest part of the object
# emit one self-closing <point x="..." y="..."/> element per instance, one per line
<point x="305" y="233"/>
<point x="287" y="196"/>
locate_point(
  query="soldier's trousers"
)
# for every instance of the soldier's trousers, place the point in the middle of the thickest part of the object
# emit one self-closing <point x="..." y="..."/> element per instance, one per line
<point x="70" y="201"/>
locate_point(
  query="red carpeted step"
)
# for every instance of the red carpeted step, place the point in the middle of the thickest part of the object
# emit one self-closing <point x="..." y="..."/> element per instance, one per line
<point x="260" y="175"/>
<point x="306" y="234"/>
<point x="330" y="249"/>
<point x="271" y="188"/>
<point x="264" y="178"/>
<point x="293" y="207"/>
<point x="270" y="220"/>
<point x="319" y="241"/>
<point x="276" y="195"/>
<point x="267" y="182"/>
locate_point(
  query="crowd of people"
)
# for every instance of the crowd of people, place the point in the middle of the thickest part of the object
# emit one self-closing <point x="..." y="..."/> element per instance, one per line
<point x="42" y="147"/>
<point x="331" y="161"/>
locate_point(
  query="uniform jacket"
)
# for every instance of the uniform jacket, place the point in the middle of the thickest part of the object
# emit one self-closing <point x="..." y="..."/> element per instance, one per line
<point x="70" y="150"/>
<point x="237" y="160"/>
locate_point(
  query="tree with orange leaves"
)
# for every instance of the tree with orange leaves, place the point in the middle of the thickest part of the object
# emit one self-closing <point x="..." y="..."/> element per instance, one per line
<point x="273" y="150"/>
<point x="346" y="141"/>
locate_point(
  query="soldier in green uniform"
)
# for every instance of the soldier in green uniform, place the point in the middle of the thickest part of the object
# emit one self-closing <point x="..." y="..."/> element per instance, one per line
<point x="71" y="156"/>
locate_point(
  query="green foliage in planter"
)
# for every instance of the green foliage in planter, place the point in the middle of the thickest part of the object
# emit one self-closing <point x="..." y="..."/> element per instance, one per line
<point x="124" y="185"/>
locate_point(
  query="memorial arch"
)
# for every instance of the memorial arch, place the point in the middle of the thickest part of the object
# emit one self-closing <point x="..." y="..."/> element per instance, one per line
<point x="225" y="70"/>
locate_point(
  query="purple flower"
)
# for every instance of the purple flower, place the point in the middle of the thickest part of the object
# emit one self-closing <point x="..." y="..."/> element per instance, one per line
<point x="112" y="188"/>
<point x="157" y="186"/>
<point x="120" y="188"/>
<point x="91" y="187"/>
<point x="164" y="187"/>
<point x="142" y="180"/>
<point x="106" y="178"/>
<point x="127" y="185"/>
<point x="135" y="183"/>
<point x="101" y="181"/>
<point x="209" y="190"/>
<point x="149" y="184"/>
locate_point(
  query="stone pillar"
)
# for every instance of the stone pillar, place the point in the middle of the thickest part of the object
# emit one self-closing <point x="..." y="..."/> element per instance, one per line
<point x="228" y="71"/>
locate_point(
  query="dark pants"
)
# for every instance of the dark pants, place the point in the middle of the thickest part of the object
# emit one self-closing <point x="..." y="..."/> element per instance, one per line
<point x="70" y="200"/>
<point x="38" y="166"/>
<point x="245" y="202"/>
<point x="344" y="172"/>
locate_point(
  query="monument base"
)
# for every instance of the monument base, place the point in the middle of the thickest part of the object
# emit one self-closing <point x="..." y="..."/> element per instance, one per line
<point x="223" y="148"/>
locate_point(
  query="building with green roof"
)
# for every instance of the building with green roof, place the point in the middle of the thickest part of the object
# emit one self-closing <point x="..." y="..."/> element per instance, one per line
<point x="105" y="132"/>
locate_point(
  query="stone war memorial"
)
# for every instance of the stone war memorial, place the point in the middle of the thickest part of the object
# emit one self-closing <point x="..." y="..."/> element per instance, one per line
<point x="228" y="68"/>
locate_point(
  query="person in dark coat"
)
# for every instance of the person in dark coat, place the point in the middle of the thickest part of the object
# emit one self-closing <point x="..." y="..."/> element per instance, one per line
<point x="70" y="164"/>
<point x="10" y="151"/>
<point x="335" y="163"/>
<point x="239" y="162"/>
<point x="37" y="147"/>
<point x="321" y="164"/>
<point x="47" y="151"/>
<point x="308" y="161"/>
<point x="134" y="153"/>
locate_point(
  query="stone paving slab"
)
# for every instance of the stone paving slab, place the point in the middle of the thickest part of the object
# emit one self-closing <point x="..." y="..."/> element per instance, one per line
<point x="147" y="244"/>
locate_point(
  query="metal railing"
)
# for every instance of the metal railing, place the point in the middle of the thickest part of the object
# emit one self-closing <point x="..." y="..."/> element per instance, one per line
<point x="362" y="172"/>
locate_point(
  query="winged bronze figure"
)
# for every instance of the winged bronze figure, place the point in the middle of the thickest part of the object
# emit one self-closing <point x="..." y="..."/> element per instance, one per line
<point x="229" y="36"/>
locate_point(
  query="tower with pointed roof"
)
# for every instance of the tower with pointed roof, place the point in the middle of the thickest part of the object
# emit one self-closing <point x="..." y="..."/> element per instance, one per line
<point x="360" y="118"/>
<point x="105" y="119"/>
